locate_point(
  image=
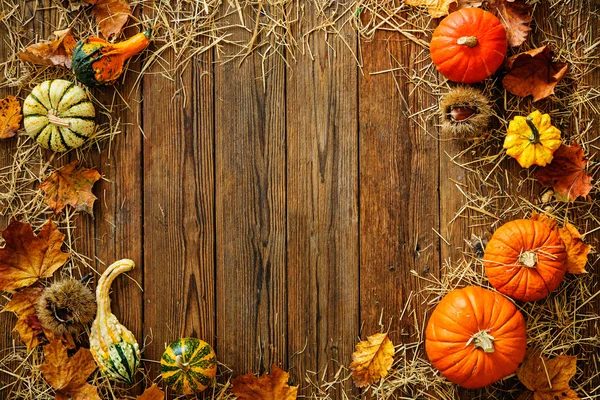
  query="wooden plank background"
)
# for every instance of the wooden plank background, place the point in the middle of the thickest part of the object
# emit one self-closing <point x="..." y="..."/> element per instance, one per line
<point x="279" y="219"/>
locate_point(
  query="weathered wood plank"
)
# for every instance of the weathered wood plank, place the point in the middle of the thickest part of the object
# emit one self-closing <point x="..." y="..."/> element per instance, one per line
<point x="250" y="208"/>
<point x="322" y="170"/>
<point x="399" y="203"/>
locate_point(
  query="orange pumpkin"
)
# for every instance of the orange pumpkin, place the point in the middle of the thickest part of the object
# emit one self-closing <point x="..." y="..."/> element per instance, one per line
<point x="475" y="337"/>
<point x="468" y="45"/>
<point x="525" y="260"/>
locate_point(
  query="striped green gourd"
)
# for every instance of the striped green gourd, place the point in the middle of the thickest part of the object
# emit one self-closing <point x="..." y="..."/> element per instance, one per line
<point x="59" y="115"/>
<point x="113" y="346"/>
<point x="188" y="365"/>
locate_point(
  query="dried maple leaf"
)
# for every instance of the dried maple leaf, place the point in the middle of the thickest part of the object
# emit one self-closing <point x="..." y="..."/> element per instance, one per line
<point x="566" y="173"/>
<point x="10" y="117"/>
<point x="28" y="325"/>
<point x="111" y="15"/>
<point x="436" y="8"/>
<point x="273" y="386"/>
<point x="515" y="17"/>
<point x="533" y="73"/>
<point x="55" y="52"/>
<point x="548" y="379"/>
<point x="152" y="393"/>
<point x="27" y="257"/>
<point x="68" y="376"/>
<point x="577" y="250"/>
<point x="372" y="359"/>
<point x="71" y="185"/>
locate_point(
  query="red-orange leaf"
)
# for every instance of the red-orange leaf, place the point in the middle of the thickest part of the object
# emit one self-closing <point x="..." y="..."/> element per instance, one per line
<point x="54" y="52"/>
<point x="26" y="257"/>
<point x="111" y="15"/>
<point x="515" y="15"/>
<point x="71" y="185"/>
<point x="68" y="376"/>
<point x="566" y="173"/>
<point x="28" y="325"/>
<point x="10" y="117"/>
<point x="152" y="393"/>
<point x="533" y="73"/>
<point x="548" y="379"/>
<point x="273" y="386"/>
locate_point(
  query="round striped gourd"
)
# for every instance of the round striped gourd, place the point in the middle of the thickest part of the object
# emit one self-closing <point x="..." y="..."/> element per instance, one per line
<point x="59" y="115"/>
<point x="113" y="346"/>
<point x="188" y="365"/>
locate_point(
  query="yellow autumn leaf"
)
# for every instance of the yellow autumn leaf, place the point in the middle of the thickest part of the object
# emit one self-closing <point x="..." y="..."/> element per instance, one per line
<point x="372" y="359"/>
<point x="436" y="8"/>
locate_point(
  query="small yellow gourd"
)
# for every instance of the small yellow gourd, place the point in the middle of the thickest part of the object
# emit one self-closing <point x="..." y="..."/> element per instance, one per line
<point x="113" y="346"/>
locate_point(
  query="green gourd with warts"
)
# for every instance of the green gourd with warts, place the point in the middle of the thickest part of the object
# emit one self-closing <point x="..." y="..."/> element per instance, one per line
<point x="113" y="346"/>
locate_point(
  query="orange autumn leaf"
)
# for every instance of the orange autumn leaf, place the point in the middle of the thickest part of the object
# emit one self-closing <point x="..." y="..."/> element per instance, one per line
<point x="68" y="376"/>
<point x="577" y="250"/>
<point x="26" y="257"/>
<point x="273" y="386"/>
<point x="435" y="8"/>
<point x="372" y="359"/>
<point x="71" y="185"/>
<point x="111" y="15"/>
<point x="566" y="174"/>
<point x="54" y="52"/>
<point x="152" y="393"/>
<point x="533" y="73"/>
<point x="28" y="325"/>
<point x="515" y="16"/>
<point x="548" y="379"/>
<point x="10" y="117"/>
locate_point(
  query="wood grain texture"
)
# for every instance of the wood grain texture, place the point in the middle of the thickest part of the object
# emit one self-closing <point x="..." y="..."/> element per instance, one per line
<point x="250" y="209"/>
<point x="322" y="170"/>
<point x="399" y="199"/>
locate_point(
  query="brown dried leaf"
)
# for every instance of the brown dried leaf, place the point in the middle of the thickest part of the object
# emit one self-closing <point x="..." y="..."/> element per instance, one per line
<point x="533" y="73"/>
<point x="28" y="325"/>
<point x="152" y="393"/>
<point x="372" y="359"/>
<point x="267" y="387"/>
<point x="55" y="52"/>
<point x="68" y="376"/>
<point x="436" y="8"/>
<point x="111" y="15"/>
<point x="548" y="379"/>
<point x="566" y="173"/>
<point x="71" y="185"/>
<point x="26" y="258"/>
<point x="10" y="117"/>
<point x="577" y="250"/>
<point x="515" y="17"/>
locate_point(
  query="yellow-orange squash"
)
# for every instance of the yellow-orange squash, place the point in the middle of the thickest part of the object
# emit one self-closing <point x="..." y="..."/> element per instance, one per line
<point x="475" y="337"/>
<point x="525" y="260"/>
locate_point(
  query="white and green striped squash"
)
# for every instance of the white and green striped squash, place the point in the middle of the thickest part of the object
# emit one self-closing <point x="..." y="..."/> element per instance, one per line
<point x="113" y="346"/>
<point x="188" y="365"/>
<point x="59" y="115"/>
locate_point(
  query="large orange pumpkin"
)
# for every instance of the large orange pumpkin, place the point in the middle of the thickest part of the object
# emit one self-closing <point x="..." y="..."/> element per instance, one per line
<point x="475" y="337"/>
<point x="525" y="260"/>
<point x="468" y="45"/>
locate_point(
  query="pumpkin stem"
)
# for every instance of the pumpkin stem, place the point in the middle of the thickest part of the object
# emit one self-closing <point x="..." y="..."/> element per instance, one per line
<point x="535" y="137"/>
<point x="56" y="120"/>
<point x="529" y="259"/>
<point x="484" y="341"/>
<point x="469" y="41"/>
<point x="185" y="366"/>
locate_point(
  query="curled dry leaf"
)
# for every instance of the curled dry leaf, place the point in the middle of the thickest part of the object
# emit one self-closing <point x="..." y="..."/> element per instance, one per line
<point x="533" y="73"/>
<point x="71" y="185"/>
<point x="152" y="393"/>
<point x="372" y="359"/>
<point x="566" y="173"/>
<point x="111" y="15"/>
<point x="10" y="117"/>
<point x="548" y="379"/>
<point x="515" y="15"/>
<point x="273" y="386"/>
<point x="68" y="376"/>
<point x="26" y="257"/>
<point x="55" y="52"/>
<point x="577" y="249"/>
<point x="28" y="325"/>
<point x="436" y="8"/>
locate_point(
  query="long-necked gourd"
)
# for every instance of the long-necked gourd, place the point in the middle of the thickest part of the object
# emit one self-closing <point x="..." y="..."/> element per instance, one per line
<point x="113" y="346"/>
